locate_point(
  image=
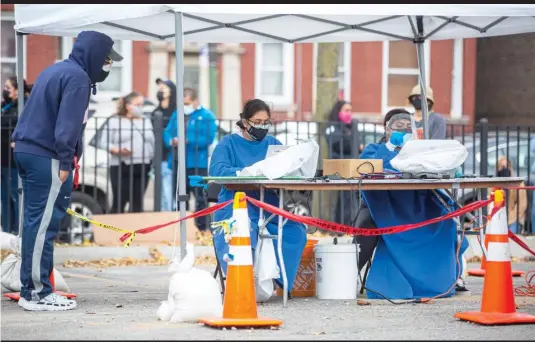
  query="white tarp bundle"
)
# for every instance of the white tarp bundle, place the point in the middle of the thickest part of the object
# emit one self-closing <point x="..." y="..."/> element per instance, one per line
<point x="213" y="23"/>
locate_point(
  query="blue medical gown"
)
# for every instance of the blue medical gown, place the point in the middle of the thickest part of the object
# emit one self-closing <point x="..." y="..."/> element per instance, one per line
<point x="418" y="263"/>
<point x="232" y="154"/>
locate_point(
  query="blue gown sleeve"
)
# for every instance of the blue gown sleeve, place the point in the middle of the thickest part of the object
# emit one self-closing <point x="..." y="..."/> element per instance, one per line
<point x="379" y="151"/>
<point x="220" y="164"/>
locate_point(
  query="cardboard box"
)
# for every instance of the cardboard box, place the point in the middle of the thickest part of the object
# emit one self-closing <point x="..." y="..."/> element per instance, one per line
<point x="350" y="168"/>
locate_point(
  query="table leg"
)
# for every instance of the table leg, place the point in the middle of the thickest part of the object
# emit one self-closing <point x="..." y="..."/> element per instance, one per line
<point x="279" y="251"/>
<point x="259" y="240"/>
<point x="481" y="231"/>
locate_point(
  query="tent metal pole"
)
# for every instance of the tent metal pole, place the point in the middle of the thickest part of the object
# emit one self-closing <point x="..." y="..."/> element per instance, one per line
<point x="181" y="179"/>
<point x="419" y="41"/>
<point x="19" y="44"/>
<point x="423" y="87"/>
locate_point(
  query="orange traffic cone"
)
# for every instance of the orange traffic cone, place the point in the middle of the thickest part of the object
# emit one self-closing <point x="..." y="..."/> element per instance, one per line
<point x="498" y="302"/>
<point x="481" y="271"/>
<point x="239" y="306"/>
<point x="16" y="295"/>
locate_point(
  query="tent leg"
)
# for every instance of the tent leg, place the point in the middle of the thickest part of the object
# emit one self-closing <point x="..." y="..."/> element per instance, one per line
<point x="19" y="43"/>
<point x="423" y="86"/>
<point x="181" y="179"/>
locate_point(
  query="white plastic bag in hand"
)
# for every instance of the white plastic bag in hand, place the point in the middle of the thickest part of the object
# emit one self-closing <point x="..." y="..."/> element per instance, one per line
<point x="193" y="293"/>
<point x="267" y="269"/>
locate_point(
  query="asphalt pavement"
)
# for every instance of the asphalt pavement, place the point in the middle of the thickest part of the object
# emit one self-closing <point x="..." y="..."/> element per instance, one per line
<point x="120" y="303"/>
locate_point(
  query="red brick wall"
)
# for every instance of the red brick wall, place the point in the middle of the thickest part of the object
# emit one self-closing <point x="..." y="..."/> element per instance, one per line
<point x="140" y="67"/>
<point x="247" y="72"/>
<point x="366" y="76"/>
<point x="441" y="74"/>
<point x="469" y="78"/>
<point x="41" y="52"/>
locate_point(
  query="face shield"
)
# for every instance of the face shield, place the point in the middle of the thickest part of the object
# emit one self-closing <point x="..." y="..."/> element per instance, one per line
<point x="398" y="123"/>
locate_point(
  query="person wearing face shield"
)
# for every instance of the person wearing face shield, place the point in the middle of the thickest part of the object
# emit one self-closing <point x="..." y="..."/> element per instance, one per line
<point x="200" y="128"/>
<point x="48" y="144"/>
<point x="166" y="106"/>
<point x="419" y="263"/>
<point x="437" y="124"/>
<point x="129" y="138"/>
<point x="237" y="151"/>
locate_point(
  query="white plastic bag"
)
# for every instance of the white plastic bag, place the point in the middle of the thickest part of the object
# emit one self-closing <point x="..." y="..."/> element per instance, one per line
<point x="437" y="156"/>
<point x="297" y="160"/>
<point x="8" y="241"/>
<point x="267" y="269"/>
<point x="11" y="275"/>
<point x="193" y="293"/>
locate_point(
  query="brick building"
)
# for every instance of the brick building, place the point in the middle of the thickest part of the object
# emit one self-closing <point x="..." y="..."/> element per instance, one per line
<point x="374" y="76"/>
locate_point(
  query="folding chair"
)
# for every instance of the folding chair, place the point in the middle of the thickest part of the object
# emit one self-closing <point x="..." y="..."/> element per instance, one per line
<point x="211" y="194"/>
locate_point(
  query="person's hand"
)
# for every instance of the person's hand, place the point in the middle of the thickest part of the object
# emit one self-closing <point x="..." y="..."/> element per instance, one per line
<point x="125" y="152"/>
<point x="396" y="138"/>
<point x="174" y="142"/>
<point x="63" y="175"/>
<point x="12" y="145"/>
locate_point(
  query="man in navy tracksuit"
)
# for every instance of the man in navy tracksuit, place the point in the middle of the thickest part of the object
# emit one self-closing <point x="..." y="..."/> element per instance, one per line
<point x="48" y="141"/>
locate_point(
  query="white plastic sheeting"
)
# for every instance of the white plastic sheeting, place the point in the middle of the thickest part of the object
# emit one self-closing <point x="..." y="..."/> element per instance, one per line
<point x="213" y="23"/>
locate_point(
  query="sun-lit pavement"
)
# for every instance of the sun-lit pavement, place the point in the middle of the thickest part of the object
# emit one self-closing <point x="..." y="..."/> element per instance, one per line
<point x="120" y="303"/>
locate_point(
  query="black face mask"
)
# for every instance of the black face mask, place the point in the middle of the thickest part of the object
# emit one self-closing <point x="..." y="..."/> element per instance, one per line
<point x="159" y="96"/>
<point x="504" y="173"/>
<point x="417" y="103"/>
<point x="102" y="76"/>
<point x="257" y="134"/>
<point x="5" y="95"/>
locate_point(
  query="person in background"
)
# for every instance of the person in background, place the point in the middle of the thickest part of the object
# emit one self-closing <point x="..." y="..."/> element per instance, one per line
<point x="166" y="106"/>
<point x="421" y="262"/>
<point x="517" y="200"/>
<point x="237" y="151"/>
<point x="200" y="130"/>
<point x="437" y="124"/>
<point x="129" y="138"/>
<point x="9" y="174"/>
<point x="48" y="144"/>
<point x="339" y="140"/>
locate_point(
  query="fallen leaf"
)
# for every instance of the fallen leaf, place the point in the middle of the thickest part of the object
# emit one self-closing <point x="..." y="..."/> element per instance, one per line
<point x="90" y="313"/>
<point x="318" y="333"/>
<point x="363" y="302"/>
<point x="118" y="305"/>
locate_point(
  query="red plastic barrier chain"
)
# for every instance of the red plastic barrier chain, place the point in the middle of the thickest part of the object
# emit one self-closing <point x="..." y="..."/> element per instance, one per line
<point x="340" y="228"/>
<point x="199" y="213"/>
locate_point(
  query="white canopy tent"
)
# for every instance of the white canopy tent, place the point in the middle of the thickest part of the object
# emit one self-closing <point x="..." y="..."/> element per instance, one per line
<point x="289" y="23"/>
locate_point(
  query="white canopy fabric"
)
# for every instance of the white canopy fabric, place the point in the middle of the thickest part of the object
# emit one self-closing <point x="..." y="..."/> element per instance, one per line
<point x="240" y="23"/>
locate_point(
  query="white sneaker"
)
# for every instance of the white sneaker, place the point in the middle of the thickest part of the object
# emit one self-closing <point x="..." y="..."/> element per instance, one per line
<point x="52" y="302"/>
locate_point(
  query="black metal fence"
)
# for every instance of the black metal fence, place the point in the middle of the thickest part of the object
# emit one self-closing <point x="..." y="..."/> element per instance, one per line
<point x="131" y="167"/>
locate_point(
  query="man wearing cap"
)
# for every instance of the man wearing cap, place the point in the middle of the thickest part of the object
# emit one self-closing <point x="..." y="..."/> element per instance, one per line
<point x="437" y="124"/>
<point x="48" y="144"/>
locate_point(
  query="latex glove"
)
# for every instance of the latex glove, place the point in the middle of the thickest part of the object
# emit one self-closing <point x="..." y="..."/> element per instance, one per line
<point x="396" y="138"/>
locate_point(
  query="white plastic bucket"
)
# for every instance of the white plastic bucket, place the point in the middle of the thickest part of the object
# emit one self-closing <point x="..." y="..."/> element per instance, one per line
<point x="336" y="271"/>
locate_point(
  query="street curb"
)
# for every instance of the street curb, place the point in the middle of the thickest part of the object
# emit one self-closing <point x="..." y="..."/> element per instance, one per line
<point x="62" y="254"/>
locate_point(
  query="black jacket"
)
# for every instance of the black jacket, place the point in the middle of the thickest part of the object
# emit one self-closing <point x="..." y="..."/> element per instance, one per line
<point x="339" y="140"/>
<point x="9" y="121"/>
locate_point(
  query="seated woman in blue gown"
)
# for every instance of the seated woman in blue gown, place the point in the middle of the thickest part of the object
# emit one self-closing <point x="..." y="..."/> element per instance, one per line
<point x="419" y="263"/>
<point x="242" y="149"/>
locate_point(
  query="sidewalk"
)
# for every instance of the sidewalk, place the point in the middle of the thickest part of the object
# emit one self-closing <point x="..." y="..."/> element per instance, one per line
<point x="62" y="254"/>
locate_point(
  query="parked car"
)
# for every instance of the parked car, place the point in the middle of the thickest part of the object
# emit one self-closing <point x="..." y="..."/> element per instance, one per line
<point x="93" y="195"/>
<point x="515" y="147"/>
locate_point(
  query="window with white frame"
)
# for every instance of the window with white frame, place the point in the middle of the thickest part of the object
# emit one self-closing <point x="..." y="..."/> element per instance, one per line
<point x="9" y="57"/>
<point x="119" y="81"/>
<point x="274" y="73"/>
<point x="344" y="71"/>
<point x="401" y="73"/>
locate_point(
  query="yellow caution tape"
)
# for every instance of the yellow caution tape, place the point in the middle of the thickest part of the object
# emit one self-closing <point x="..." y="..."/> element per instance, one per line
<point x="102" y="225"/>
